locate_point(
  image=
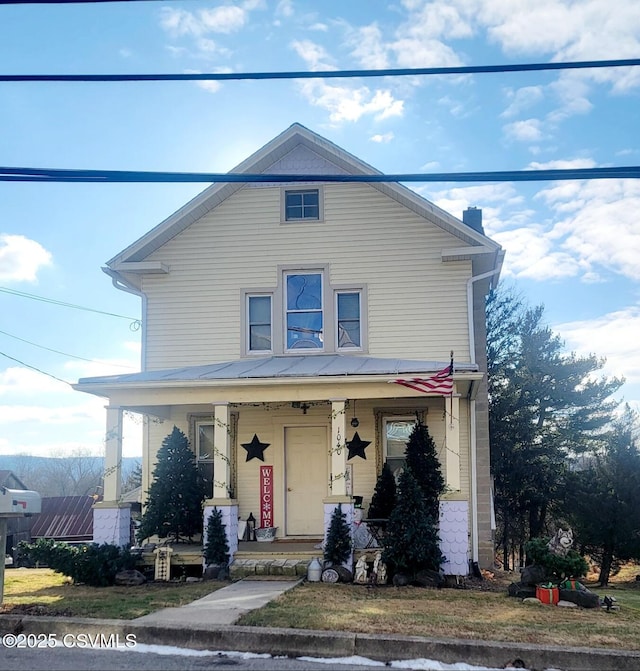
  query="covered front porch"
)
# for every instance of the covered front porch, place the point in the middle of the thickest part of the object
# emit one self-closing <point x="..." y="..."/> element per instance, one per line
<point x="285" y="440"/>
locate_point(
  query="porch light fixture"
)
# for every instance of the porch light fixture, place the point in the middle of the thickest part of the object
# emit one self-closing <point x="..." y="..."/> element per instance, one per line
<point x="354" y="420"/>
<point x="300" y="406"/>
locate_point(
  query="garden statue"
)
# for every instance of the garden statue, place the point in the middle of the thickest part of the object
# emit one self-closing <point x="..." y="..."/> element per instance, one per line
<point x="561" y="543"/>
<point x="361" y="571"/>
<point x="379" y="569"/>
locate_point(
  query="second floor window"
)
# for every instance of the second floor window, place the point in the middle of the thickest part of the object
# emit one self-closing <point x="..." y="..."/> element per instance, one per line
<point x="348" y="319"/>
<point x="304" y="317"/>
<point x="259" y="323"/>
<point x="302" y="204"/>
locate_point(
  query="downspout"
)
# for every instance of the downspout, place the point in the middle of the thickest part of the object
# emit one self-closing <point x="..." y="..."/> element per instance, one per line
<point x="472" y="413"/>
<point x="122" y="285"/>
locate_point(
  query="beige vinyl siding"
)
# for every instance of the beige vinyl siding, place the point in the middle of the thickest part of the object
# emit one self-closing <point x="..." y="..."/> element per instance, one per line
<point x="269" y="422"/>
<point x="416" y="303"/>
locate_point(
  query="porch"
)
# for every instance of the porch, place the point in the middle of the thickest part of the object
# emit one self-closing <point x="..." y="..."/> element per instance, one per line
<point x="283" y="558"/>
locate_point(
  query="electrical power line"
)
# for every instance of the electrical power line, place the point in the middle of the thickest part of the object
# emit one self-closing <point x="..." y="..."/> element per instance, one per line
<point x="326" y="74"/>
<point x="37" y="370"/>
<point x="45" y="175"/>
<point x="42" y="299"/>
<point x="55" y="351"/>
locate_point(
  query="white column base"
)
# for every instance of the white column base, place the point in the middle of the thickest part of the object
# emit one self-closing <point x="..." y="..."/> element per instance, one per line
<point x="112" y="523"/>
<point x="454" y="537"/>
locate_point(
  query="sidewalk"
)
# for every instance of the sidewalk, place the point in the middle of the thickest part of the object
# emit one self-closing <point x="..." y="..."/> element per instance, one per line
<point x="206" y="624"/>
<point x="222" y="607"/>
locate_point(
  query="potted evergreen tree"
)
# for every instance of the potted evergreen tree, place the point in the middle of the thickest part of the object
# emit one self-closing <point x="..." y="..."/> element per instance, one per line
<point x="216" y="547"/>
<point x="338" y="549"/>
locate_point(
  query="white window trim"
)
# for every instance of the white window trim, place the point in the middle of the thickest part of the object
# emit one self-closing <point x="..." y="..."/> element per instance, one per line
<point x="349" y="289"/>
<point x="301" y="187"/>
<point x="246" y="294"/>
<point x="279" y="313"/>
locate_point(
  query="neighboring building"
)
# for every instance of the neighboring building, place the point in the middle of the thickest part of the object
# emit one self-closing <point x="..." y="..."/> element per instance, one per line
<point x="18" y="528"/>
<point x="275" y="313"/>
<point x="65" y="518"/>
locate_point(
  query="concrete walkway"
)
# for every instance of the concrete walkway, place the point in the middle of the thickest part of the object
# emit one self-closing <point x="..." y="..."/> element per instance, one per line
<point x="224" y="606"/>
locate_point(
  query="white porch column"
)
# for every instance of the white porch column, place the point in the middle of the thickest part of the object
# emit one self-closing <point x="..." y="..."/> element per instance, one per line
<point x="111" y="519"/>
<point x="338" y="447"/>
<point x="221" y="450"/>
<point x="113" y="454"/>
<point x="452" y="442"/>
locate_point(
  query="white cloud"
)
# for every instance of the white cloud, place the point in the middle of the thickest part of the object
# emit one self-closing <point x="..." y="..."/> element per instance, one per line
<point x="598" y="223"/>
<point x="369" y="48"/>
<point x="530" y="254"/>
<point x="313" y="54"/>
<point x="525" y="131"/>
<point x="522" y="99"/>
<point x="609" y="336"/>
<point x="224" y="19"/>
<point x="382" y="138"/>
<point x="285" y="8"/>
<point x="347" y="104"/>
<point x="21" y="258"/>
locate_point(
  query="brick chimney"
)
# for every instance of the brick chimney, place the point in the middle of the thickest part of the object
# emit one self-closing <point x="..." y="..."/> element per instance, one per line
<point x="472" y="217"/>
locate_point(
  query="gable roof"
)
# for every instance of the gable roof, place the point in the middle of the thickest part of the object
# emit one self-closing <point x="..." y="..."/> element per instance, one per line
<point x="266" y="161"/>
<point x="11" y="480"/>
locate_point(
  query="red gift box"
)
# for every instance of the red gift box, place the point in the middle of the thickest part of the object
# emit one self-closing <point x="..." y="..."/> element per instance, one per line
<point x="548" y="595"/>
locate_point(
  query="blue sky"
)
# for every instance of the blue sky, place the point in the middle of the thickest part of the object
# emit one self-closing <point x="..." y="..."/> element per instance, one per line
<point x="573" y="246"/>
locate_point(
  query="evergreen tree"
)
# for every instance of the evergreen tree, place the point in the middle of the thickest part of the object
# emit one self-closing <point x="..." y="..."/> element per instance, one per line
<point x="174" y="504"/>
<point x="604" y="499"/>
<point x="544" y="405"/>
<point x="411" y="540"/>
<point x="133" y="480"/>
<point x="216" y="548"/>
<point x="337" y="549"/>
<point x="384" y="496"/>
<point x="422" y="460"/>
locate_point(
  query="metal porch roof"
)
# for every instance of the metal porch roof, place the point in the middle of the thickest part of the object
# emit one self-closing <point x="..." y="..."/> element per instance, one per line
<point x="299" y="366"/>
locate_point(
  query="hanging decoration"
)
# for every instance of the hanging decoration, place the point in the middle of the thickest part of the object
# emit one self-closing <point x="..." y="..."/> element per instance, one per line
<point x="354" y="420"/>
<point x="255" y="449"/>
<point x="357" y="446"/>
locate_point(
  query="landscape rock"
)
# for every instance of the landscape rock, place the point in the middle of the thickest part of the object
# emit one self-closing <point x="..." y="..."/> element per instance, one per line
<point x="566" y="604"/>
<point x="532" y="601"/>
<point x="130" y="578"/>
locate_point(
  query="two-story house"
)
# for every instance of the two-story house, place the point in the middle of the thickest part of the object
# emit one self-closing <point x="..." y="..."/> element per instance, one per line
<point x="276" y="316"/>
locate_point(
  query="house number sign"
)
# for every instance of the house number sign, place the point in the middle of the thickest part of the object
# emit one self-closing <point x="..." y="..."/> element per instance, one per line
<point x="266" y="496"/>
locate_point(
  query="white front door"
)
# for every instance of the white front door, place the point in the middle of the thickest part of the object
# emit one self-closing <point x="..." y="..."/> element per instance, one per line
<point x="307" y="479"/>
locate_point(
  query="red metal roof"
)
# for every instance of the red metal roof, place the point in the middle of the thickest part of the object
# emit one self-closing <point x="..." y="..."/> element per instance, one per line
<point x="67" y="518"/>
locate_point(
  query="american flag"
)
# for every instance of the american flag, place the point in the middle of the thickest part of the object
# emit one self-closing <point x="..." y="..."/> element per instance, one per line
<point x="441" y="383"/>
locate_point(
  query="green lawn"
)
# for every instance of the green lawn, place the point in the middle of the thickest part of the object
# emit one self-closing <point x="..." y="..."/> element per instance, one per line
<point x="43" y="592"/>
<point x="481" y="614"/>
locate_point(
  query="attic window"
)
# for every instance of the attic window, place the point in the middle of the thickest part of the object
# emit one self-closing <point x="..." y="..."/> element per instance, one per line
<point x="301" y="205"/>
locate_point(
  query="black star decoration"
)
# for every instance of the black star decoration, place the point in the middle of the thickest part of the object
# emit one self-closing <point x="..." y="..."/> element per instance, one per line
<point x="357" y="447"/>
<point x="255" y="448"/>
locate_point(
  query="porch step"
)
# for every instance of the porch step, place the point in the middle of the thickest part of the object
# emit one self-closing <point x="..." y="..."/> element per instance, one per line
<point x="268" y="568"/>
